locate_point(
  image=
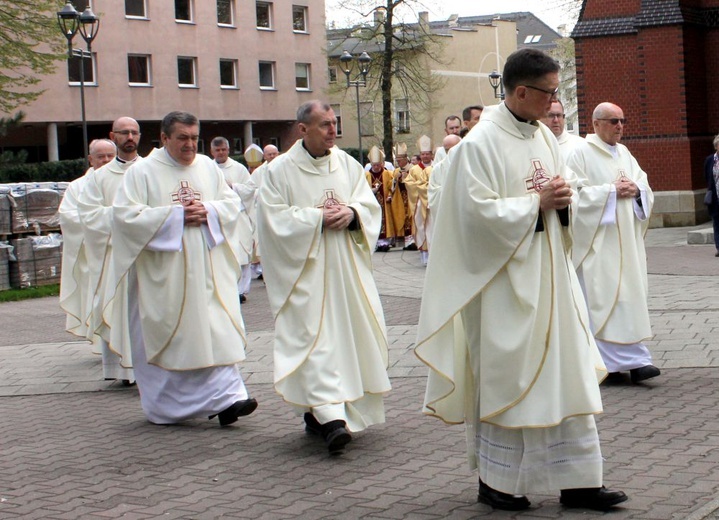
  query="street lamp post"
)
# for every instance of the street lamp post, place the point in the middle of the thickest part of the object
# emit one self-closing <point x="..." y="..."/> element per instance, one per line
<point x="360" y="81"/>
<point x="87" y="24"/>
<point x="495" y="79"/>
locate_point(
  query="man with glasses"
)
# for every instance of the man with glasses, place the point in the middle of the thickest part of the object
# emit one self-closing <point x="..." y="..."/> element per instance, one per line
<point x="615" y="203"/>
<point x="520" y="368"/>
<point x="95" y="211"/>
<point x="179" y="237"/>
<point x="555" y="120"/>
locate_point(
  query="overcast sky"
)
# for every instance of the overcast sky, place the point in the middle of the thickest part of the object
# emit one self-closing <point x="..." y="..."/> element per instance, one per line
<point x="441" y="9"/>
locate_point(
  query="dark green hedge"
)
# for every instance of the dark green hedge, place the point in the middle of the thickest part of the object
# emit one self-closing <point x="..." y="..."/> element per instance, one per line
<point x="57" y="171"/>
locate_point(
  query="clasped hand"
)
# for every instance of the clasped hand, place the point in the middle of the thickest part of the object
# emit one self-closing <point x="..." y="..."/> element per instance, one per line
<point x="195" y="214"/>
<point x="626" y="188"/>
<point x="555" y="194"/>
<point x="337" y="217"/>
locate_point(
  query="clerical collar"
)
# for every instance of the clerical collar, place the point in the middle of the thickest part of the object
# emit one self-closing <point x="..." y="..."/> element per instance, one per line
<point x="314" y="156"/>
<point x="520" y="119"/>
<point x="122" y="161"/>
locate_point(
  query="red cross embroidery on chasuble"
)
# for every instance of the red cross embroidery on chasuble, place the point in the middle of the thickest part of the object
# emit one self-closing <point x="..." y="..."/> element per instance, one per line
<point x="185" y="194"/>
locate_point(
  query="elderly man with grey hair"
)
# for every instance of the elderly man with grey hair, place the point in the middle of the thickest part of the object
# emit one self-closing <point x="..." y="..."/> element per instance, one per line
<point x="179" y="236"/>
<point x="318" y="225"/>
<point x="615" y="203"/>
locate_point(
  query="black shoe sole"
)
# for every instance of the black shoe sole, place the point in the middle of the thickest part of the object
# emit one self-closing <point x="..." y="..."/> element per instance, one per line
<point x="519" y="505"/>
<point x="337" y="440"/>
<point x="603" y="505"/>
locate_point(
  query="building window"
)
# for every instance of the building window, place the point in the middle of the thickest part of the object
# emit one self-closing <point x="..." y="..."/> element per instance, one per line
<point x="135" y="9"/>
<point x="228" y="73"/>
<point x="299" y="18"/>
<point x="275" y="141"/>
<point x="401" y="107"/>
<point x="302" y="76"/>
<point x="186" y="71"/>
<point x="337" y="109"/>
<point x="138" y="70"/>
<point x="332" y="74"/>
<point x="533" y="38"/>
<point x="237" y="145"/>
<point x="183" y="10"/>
<point x="267" y="74"/>
<point x="87" y="62"/>
<point x="226" y="12"/>
<point x="366" y="118"/>
<point x="81" y="5"/>
<point x="264" y="15"/>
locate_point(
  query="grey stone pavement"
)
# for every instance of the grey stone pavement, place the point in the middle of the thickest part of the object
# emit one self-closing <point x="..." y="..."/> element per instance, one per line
<point x="73" y="446"/>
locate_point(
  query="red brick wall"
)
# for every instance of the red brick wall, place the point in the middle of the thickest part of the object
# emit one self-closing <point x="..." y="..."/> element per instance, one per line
<point x="662" y="78"/>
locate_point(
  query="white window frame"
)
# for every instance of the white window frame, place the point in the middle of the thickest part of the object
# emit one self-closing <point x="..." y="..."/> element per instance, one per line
<point x="337" y="109"/>
<point x="308" y="75"/>
<point x="148" y="68"/>
<point x="191" y="7"/>
<point x="232" y="15"/>
<point x="93" y="66"/>
<point x="273" y="70"/>
<point x="194" y="84"/>
<point x="305" y="17"/>
<point x="270" y="26"/>
<point x="137" y="16"/>
<point x="402" y="117"/>
<point x="234" y="63"/>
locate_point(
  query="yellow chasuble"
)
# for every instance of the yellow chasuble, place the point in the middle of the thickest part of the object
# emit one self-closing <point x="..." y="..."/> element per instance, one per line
<point x="188" y="304"/>
<point x="612" y="255"/>
<point x="330" y="337"/>
<point x="528" y="359"/>
<point x="417" y="183"/>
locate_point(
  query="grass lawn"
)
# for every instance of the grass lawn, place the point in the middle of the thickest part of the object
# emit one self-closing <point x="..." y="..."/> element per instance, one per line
<point x="14" y="295"/>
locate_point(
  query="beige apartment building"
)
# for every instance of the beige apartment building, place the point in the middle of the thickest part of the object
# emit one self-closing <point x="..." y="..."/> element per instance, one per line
<point x="456" y="62"/>
<point x="241" y="66"/>
<point x="452" y="66"/>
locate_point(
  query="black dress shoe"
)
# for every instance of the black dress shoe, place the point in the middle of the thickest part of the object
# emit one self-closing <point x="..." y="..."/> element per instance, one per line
<point x="243" y="298"/>
<point x="598" y="499"/>
<point x="499" y="500"/>
<point x="411" y="247"/>
<point x="238" y="409"/>
<point x="312" y="425"/>
<point x="383" y="248"/>
<point x="644" y="373"/>
<point x="336" y="435"/>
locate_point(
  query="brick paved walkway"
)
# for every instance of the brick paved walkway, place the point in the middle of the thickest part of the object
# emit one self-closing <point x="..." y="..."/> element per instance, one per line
<point x="75" y="447"/>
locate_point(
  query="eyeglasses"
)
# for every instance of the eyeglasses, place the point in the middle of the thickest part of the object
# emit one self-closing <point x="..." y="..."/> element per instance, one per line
<point x="614" y="120"/>
<point x="552" y="93"/>
<point x="133" y="133"/>
<point x="552" y="115"/>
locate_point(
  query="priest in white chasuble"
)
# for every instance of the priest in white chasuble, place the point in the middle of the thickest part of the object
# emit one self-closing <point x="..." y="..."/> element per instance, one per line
<point x="318" y="225"/>
<point x="615" y="203"/>
<point x="95" y="210"/>
<point x="179" y="238"/>
<point x="523" y="371"/>
<point x="74" y="282"/>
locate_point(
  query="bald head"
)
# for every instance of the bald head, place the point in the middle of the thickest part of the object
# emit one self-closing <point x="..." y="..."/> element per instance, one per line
<point x="126" y="135"/>
<point x="450" y="141"/>
<point x="269" y="152"/>
<point x="608" y="121"/>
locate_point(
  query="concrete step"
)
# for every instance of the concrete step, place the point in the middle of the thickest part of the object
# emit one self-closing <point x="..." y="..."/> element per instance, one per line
<point x="700" y="236"/>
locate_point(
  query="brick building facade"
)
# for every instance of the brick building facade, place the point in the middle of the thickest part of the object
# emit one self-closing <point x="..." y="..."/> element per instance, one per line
<point x="654" y="58"/>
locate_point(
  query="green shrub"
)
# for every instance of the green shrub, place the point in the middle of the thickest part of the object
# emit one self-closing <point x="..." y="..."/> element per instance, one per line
<point x="56" y="171"/>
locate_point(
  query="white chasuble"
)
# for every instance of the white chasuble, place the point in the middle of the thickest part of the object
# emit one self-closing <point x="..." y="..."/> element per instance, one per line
<point x="524" y="357"/>
<point x="330" y="338"/>
<point x="609" y="242"/>
<point x="74" y="280"/>
<point x="95" y="209"/>
<point x="186" y="296"/>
